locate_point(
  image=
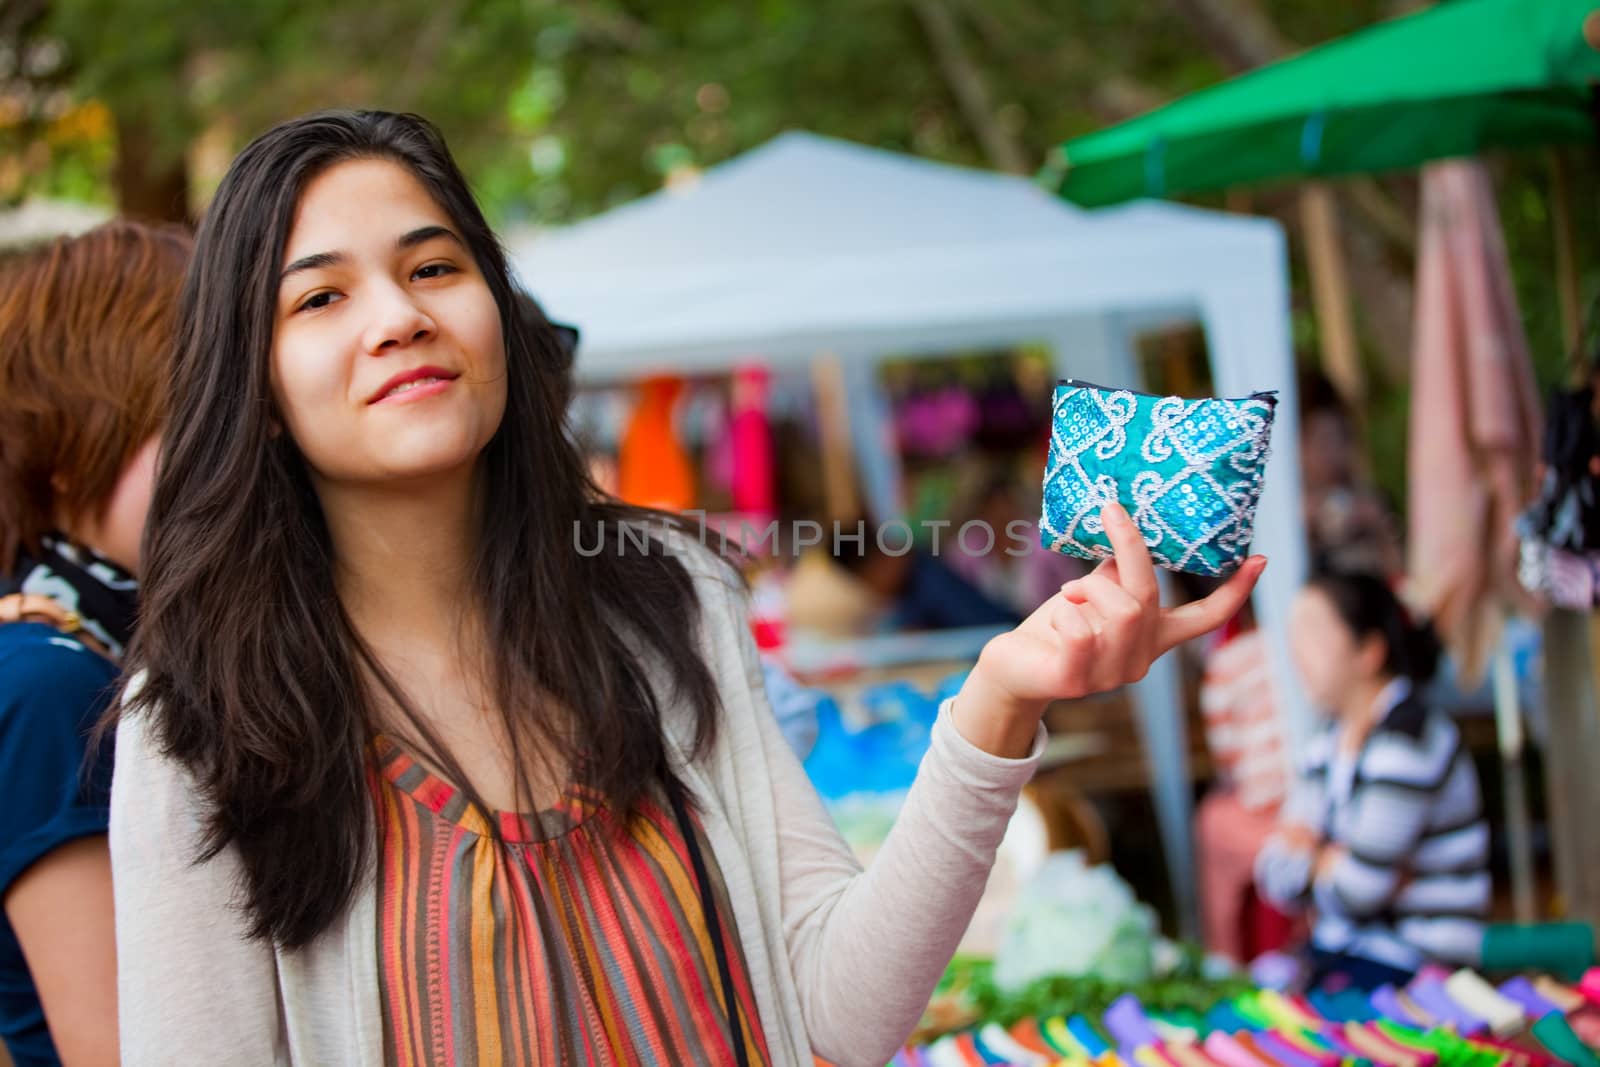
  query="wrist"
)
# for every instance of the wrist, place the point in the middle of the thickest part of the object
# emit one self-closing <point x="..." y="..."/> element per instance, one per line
<point x="993" y="719"/>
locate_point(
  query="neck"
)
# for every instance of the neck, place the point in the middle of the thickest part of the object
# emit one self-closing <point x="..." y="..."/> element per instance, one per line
<point x="1359" y="712"/>
<point x="404" y="557"/>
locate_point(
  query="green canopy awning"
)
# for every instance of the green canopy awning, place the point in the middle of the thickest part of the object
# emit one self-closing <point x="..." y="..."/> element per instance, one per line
<point x="1458" y="78"/>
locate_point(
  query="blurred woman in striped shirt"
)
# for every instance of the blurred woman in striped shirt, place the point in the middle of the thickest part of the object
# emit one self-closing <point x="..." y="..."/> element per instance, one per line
<point x="1383" y="837"/>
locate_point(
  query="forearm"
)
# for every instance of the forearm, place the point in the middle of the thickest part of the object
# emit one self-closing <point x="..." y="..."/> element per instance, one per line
<point x="869" y="953"/>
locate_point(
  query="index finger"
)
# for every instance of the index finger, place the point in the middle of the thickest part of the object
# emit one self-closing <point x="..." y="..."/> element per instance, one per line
<point x="1198" y="617"/>
<point x="1135" y="572"/>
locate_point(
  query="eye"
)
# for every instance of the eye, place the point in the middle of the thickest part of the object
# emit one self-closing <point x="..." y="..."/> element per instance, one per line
<point x="433" y="270"/>
<point x="318" y="300"/>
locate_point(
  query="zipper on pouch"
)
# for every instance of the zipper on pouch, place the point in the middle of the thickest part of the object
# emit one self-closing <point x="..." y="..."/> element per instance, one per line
<point x="1269" y="395"/>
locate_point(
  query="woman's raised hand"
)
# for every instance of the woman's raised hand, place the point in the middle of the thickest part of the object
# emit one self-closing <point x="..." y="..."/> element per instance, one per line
<point x="1101" y="632"/>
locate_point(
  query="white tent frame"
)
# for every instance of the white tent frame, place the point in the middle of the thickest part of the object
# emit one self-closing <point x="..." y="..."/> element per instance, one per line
<point x="921" y="260"/>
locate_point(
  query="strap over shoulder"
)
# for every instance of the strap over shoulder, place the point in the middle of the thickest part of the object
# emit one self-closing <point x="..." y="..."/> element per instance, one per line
<point x="30" y="607"/>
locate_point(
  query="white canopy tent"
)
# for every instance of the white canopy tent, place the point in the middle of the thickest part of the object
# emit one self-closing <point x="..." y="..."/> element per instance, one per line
<point x="809" y="245"/>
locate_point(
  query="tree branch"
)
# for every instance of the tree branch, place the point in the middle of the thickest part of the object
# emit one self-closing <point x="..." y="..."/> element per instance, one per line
<point x="967" y="84"/>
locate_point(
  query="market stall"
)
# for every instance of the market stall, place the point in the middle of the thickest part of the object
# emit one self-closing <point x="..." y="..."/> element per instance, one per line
<point x="809" y="246"/>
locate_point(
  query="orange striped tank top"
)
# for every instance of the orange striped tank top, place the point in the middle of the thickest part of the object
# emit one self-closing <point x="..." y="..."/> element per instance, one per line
<point x="579" y="938"/>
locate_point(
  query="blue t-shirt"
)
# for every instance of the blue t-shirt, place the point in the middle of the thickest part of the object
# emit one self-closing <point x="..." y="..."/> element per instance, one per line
<point x="52" y="692"/>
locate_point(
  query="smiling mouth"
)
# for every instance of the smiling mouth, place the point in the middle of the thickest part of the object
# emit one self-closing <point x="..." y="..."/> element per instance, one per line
<point x="426" y="380"/>
<point x="415" y="383"/>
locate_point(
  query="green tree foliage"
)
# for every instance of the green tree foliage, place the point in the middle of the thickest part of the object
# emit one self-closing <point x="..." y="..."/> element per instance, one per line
<point x="559" y="110"/>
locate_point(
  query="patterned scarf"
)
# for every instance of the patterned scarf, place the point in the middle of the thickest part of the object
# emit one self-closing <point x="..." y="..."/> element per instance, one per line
<point x="105" y="596"/>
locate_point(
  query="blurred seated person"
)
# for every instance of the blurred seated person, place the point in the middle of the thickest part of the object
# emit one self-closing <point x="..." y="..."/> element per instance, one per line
<point x="1383" y="838"/>
<point x="1349" y="524"/>
<point x="919" y="589"/>
<point x="1016" y="570"/>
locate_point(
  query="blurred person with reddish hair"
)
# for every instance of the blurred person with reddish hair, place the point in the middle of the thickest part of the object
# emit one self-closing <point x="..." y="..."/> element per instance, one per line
<point x="86" y="330"/>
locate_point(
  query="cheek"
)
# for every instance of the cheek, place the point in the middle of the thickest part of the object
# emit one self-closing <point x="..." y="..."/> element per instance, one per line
<point x="304" y="385"/>
<point x="128" y="506"/>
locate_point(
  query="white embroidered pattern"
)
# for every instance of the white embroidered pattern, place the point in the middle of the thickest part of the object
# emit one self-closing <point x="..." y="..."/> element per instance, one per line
<point x="1191" y="485"/>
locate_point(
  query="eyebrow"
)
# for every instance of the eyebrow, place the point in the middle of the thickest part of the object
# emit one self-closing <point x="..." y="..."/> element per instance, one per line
<point x="322" y="260"/>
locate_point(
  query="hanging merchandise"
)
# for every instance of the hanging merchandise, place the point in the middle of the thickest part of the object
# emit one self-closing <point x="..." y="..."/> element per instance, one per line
<point x="1560" y="531"/>
<point x="1474" y="422"/>
<point x="653" y="467"/>
<point x="933" y="423"/>
<point x="751" y="437"/>
<point x="1006" y="420"/>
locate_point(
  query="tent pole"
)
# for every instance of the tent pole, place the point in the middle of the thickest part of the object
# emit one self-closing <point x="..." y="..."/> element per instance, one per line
<point x="833" y="421"/>
<point x="1330" y="293"/>
<point x="1519" y="839"/>
<point x="1566" y="257"/>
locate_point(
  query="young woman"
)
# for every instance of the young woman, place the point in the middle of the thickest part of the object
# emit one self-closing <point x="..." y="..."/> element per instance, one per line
<point x="1384" y="835"/>
<point x="369" y="642"/>
<point x="85" y="339"/>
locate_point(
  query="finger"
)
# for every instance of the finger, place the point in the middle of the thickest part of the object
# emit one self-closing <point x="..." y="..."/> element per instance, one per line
<point x="1079" y="647"/>
<point x="1114" y="602"/>
<point x="1202" y="616"/>
<point x="1073" y="626"/>
<point x="1125" y="632"/>
<point x="1107" y="569"/>
<point x="1135" y="572"/>
<point x="1091" y="616"/>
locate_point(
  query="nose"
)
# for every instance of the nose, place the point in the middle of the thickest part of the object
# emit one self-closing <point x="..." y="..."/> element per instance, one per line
<point x="397" y="321"/>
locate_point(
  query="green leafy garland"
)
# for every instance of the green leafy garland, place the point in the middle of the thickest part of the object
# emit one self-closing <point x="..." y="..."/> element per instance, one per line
<point x="1184" y="990"/>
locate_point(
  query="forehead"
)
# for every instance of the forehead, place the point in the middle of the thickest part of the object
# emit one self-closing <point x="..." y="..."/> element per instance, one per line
<point x="1312" y="606"/>
<point x="360" y="203"/>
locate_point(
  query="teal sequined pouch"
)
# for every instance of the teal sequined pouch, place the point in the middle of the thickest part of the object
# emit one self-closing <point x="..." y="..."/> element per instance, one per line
<point x="1188" y="471"/>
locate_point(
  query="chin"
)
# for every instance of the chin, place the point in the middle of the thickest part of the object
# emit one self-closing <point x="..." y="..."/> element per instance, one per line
<point x="422" y="450"/>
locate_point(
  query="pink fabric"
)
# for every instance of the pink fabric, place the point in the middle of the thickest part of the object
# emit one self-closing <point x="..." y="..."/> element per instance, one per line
<point x="1242" y="725"/>
<point x="752" y="444"/>
<point x="1474" y="429"/>
<point x="1233" y="920"/>
<point x="1228" y="1052"/>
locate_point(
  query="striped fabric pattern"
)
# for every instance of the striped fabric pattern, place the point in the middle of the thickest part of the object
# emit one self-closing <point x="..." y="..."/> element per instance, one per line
<point x="577" y="939"/>
<point x="1415" y="882"/>
<point x="1242" y="723"/>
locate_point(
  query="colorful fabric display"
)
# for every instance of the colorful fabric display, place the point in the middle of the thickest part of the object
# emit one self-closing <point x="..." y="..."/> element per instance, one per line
<point x="1432" y="997"/>
<point x="1590" y="985"/>
<point x="1378" y="1048"/>
<point x="1126" y="1023"/>
<point x="1347" y="1005"/>
<point x="1094" y="1046"/>
<point x="1225" y="1018"/>
<point x="1521" y="991"/>
<point x="1227" y="1051"/>
<point x="1388" y="1002"/>
<point x="1565" y="998"/>
<point x="998" y="1041"/>
<point x="1503" y="1016"/>
<point x="1556" y="1034"/>
<point x="1061" y="1036"/>
<point x="1438" y="1019"/>
<point x="1027" y="1033"/>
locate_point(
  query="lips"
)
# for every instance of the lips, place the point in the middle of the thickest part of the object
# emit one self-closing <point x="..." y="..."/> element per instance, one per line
<point x="406" y="381"/>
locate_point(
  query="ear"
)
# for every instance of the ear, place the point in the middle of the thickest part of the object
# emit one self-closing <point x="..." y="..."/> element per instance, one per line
<point x="1371" y="654"/>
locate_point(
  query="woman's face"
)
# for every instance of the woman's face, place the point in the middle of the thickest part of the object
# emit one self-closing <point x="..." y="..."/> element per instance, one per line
<point x="388" y="363"/>
<point x="1329" y="658"/>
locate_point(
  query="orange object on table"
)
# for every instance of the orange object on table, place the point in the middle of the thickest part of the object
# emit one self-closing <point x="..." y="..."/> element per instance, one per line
<point x="653" y="468"/>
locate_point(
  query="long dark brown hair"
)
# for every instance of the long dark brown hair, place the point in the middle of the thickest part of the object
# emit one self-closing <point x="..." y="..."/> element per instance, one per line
<point x="255" y="676"/>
